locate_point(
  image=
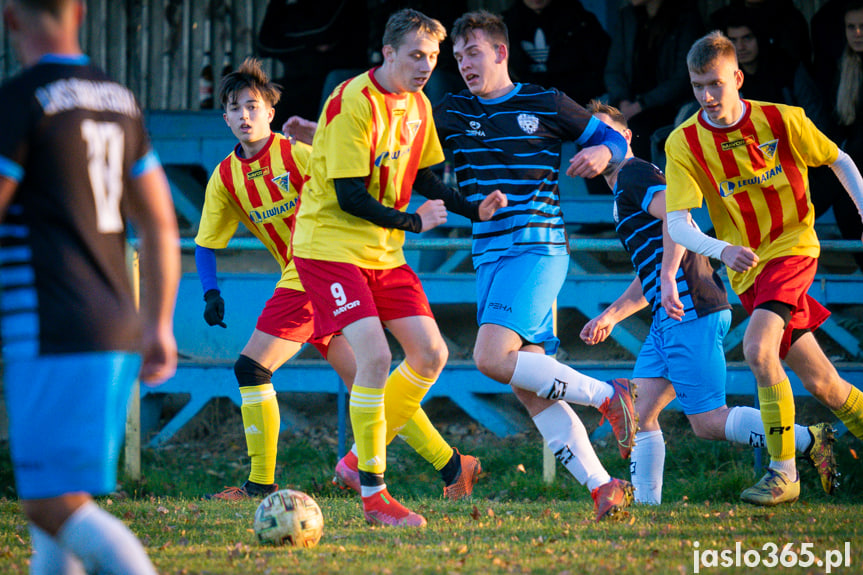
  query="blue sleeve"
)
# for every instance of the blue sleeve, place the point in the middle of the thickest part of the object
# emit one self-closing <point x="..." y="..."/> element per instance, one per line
<point x="145" y="164"/>
<point x="597" y="133"/>
<point x="205" y="261"/>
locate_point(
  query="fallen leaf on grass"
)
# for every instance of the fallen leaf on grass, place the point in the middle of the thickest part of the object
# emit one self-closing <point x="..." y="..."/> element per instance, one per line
<point x="474" y="514"/>
<point x="853" y="453"/>
<point x="520" y="467"/>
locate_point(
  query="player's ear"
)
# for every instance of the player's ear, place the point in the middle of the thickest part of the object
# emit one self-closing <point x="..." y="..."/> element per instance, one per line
<point x="501" y="53"/>
<point x="271" y="113"/>
<point x="389" y="53"/>
<point x="738" y="78"/>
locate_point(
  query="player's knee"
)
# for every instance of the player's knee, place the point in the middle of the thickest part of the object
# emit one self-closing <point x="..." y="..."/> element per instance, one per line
<point x="430" y="360"/>
<point x="759" y="356"/>
<point x="706" y="428"/>
<point x="485" y="362"/>
<point x="250" y="373"/>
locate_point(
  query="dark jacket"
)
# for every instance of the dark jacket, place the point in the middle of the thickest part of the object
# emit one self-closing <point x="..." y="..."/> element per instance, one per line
<point x="672" y="77"/>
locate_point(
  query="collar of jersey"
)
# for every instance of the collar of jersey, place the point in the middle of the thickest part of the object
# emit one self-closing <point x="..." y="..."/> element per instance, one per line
<point x="503" y="98"/>
<point x="80" y="59"/>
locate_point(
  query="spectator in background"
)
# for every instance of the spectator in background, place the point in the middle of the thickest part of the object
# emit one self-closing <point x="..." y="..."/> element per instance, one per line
<point x="846" y="126"/>
<point x="784" y="25"/>
<point x="827" y="43"/>
<point x="550" y="39"/>
<point x="646" y="73"/>
<point x="311" y="38"/>
<point x="771" y="75"/>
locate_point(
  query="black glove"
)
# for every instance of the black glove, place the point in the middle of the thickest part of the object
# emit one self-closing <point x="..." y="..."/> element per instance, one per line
<point x="214" y="313"/>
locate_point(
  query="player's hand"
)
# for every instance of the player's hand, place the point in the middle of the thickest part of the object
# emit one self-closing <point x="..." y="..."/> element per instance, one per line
<point x="671" y="301"/>
<point x="589" y="162"/>
<point x="597" y="330"/>
<point x="492" y="203"/>
<point x="214" y="313"/>
<point x="158" y="355"/>
<point x="739" y="258"/>
<point x="300" y="129"/>
<point x="433" y="214"/>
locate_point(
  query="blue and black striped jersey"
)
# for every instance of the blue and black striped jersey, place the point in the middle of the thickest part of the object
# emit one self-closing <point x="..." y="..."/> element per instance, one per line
<point x="700" y="289"/>
<point x="513" y="143"/>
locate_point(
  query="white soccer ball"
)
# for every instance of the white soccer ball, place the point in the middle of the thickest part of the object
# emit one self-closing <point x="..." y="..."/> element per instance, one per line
<point x="289" y="517"/>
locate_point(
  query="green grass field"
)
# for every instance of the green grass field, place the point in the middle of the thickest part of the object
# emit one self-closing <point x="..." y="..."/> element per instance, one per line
<point x="515" y="523"/>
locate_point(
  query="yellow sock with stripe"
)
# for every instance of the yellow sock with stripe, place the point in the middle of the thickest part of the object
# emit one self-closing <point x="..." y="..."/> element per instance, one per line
<point x="368" y="422"/>
<point x="851" y="413"/>
<point x="261" y="421"/>
<point x="405" y="390"/>
<point x="777" y="414"/>
<point x="422" y="436"/>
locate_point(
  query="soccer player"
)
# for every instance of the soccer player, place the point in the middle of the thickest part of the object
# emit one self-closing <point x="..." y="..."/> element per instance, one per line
<point x="683" y="355"/>
<point x="259" y="184"/>
<point x="74" y="160"/>
<point x="375" y="141"/>
<point x="509" y="136"/>
<point x="749" y="160"/>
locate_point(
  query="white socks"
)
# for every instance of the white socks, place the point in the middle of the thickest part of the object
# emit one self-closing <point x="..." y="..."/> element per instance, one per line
<point x="567" y="438"/>
<point x="48" y="558"/>
<point x="744" y="426"/>
<point x="103" y="543"/>
<point x="548" y="378"/>
<point x="646" y="464"/>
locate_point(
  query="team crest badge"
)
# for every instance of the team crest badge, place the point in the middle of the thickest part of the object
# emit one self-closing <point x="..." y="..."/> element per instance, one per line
<point x="769" y="148"/>
<point x="283" y="181"/>
<point x="413" y="127"/>
<point x="528" y="122"/>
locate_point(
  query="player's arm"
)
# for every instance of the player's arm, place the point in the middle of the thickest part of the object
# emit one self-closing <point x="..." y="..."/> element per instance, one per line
<point x="630" y="301"/>
<point x="683" y="230"/>
<point x="355" y="200"/>
<point x="848" y="173"/>
<point x="672" y="254"/>
<point x="152" y="212"/>
<point x="300" y="129"/>
<point x="429" y="185"/>
<point x="214" y="309"/>
<point x="600" y="146"/>
<point x="7" y="190"/>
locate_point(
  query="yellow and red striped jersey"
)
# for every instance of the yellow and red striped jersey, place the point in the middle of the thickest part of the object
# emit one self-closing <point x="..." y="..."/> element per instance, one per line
<point x="754" y="177"/>
<point x="262" y="192"/>
<point x="364" y="131"/>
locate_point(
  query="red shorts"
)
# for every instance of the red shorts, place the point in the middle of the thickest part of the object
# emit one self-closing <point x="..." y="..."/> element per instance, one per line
<point x="288" y="315"/>
<point x="787" y="280"/>
<point x="343" y="293"/>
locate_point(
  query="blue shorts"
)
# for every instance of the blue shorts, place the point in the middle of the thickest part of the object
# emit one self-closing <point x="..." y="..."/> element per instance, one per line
<point x="518" y="293"/>
<point x="690" y="355"/>
<point x="67" y="416"/>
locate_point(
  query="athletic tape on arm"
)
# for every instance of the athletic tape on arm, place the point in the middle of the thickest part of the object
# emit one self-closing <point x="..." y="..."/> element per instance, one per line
<point x="689" y="236"/>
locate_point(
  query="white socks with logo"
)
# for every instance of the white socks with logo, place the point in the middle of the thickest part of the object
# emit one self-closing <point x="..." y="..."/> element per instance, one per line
<point x="548" y="378"/>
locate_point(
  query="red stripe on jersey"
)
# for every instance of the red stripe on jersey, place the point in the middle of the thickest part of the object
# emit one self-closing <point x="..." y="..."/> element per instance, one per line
<point x="774" y="204"/>
<point x="748" y="132"/>
<point x="251" y="189"/>
<point x="729" y="163"/>
<point x="786" y="160"/>
<point x="280" y="244"/>
<point x="334" y="106"/>
<point x="227" y="178"/>
<point x="383" y="178"/>
<point x="750" y="219"/>
<point x="275" y="193"/>
<point x="691" y="134"/>
<point x="294" y="176"/>
<point x="416" y="154"/>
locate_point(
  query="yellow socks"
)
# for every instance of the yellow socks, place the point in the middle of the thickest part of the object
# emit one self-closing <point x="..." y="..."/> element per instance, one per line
<point x="260" y="410"/>
<point x="405" y="390"/>
<point x="851" y="413"/>
<point x="422" y="436"/>
<point x="370" y="428"/>
<point x="777" y="413"/>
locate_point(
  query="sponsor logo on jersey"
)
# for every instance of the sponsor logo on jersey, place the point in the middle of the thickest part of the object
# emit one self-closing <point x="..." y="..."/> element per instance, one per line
<point x="528" y="122"/>
<point x="258" y="173"/>
<point x="391" y="155"/>
<point x="737" y="143"/>
<point x="259" y="216"/>
<point x="769" y="148"/>
<point x="283" y="181"/>
<point x="475" y="130"/>
<point x="729" y="187"/>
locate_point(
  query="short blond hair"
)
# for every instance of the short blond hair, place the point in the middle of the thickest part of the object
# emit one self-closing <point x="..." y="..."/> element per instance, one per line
<point x="599" y="107"/>
<point x="408" y="20"/>
<point x="708" y="49"/>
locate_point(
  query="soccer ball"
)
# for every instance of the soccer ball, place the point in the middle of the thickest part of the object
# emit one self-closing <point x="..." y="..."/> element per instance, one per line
<point x="289" y="517"/>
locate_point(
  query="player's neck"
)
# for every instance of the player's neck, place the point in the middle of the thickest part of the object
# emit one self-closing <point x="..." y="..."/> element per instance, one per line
<point x="252" y="149"/>
<point x="611" y="174"/>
